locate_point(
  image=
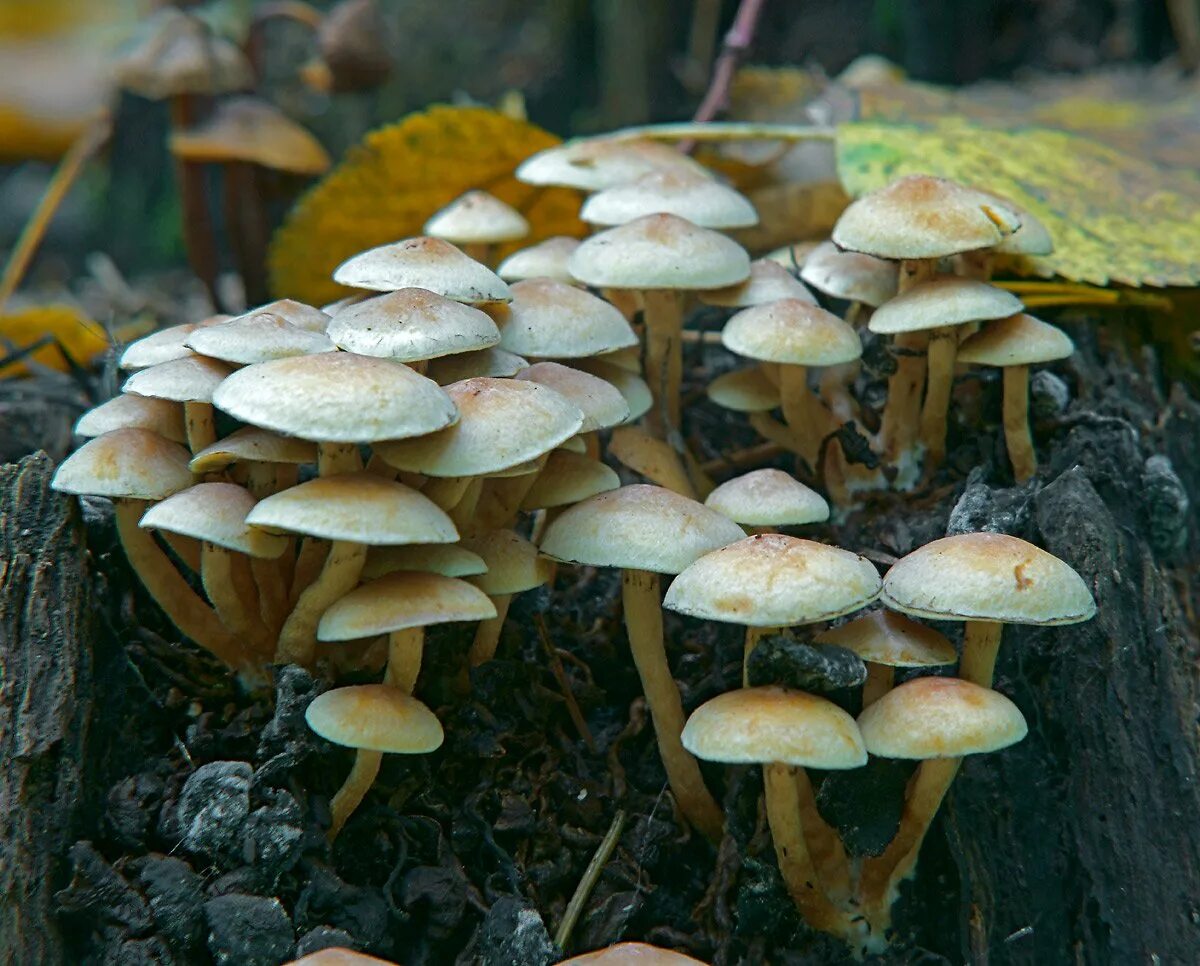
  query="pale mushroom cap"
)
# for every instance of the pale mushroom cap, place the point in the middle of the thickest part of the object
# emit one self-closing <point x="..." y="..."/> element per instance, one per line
<point x="295" y="313"/>
<point x="513" y="563"/>
<point x="336" y="397"/>
<point x="792" y="332"/>
<point x="632" y="954"/>
<point x="477" y="218"/>
<point x="885" y="637"/>
<point x="179" y="54"/>
<point x="410" y="325"/>
<point x="132" y="463"/>
<point x="638" y="527"/>
<point x="853" y="276"/>
<point x="660" y="251"/>
<point x="773" y="724"/>
<point x="216" y="513"/>
<point x="252" y="130"/>
<point x="768" y="282"/>
<point x="192" y="379"/>
<point x="447" y="559"/>
<point x="601" y="402"/>
<point x="594" y="164"/>
<point x="568" y="478"/>
<point x="629" y="358"/>
<point x="744" y="391"/>
<point x="253" y="445"/>
<point x="1020" y="340"/>
<point x="553" y="320"/>
<point x="337" y="956"/>
<point x="696" y="197"/>
<point x="987" y="576"/>
<point x="546" y="259"/>
<point x="768" y="498"/>
<point x="160" y="416"/>
<point x="375" y="717"/>
<point x="260" y="337"/>
<point x="629" y="384"/>
<point x="648" y="456"/>
<point x="358" y="507"/>
<point x="428" y="263"/>
<point x="773" y="580"/>
<point x="1032" y="238"/>
<point x="946" y="300"/>
<point x="165" y="345"/>
<point x="920" y="216"/>
<point x="502" y="422"/>
<point x="935" y="717"/>
<point x="403" y="599"/>
<point x="494" y="363"/>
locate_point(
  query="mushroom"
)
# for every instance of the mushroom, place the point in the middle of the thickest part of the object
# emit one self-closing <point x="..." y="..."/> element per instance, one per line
<point x="632" y="954"/>
<point x="191" y="381"/>
<point x="593" y="164"/>
<point x="645" y="531"/>
<point x="427" y="263"/>
<point x="257" y="337"/>
<point x="272" y="461"/>
<point x="337" y="956"/>
<point x="545" y="260"/>
<point x="568" y="478"/>
<point x="685" y="194"/>
<point x="652" y="458"/>
<point x="550" y="319"/>
<point x="752" y="391"/>
<point x="447" y="559"/>
<point x="857" y="278"/>
<point x="494" y="363"/>
<point x="1014" y="344"/>
<point x="765" y="500"/>
<point x="768" y="282"/>
<point x="164" y="345"/>
<point x="477" y="222"/>
<point x="513" y="567"/>
<point x="160" y="416"/>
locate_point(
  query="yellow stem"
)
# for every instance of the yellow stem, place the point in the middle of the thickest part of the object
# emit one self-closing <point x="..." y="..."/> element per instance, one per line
<point x="1017" y="436"/>
<point x="354" y="789"/>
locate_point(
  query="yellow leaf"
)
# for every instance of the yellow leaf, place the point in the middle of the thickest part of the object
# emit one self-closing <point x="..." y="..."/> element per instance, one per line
<point x="80" y="337"/>
<point x="387" y="188"/>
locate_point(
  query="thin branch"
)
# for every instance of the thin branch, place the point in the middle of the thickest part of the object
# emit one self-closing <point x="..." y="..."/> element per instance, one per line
<point x="591" y="875"/>
<point x="737" y="42"/>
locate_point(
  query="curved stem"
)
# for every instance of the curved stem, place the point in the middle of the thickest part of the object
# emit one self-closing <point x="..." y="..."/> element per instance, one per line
<point x="298" y="637"/>
<point x="201" y="429"/>
<point x="981" y="644"/>
<point x="824" y="845"/>
<point x="901" y="414"/>
<point x="335" y="458"/>
<point x="663" y="313"/>
<point x="272" y="592"/>
<point x="753" y="636"/>
<point x="405" y="649"/>
<point x="446" y="491"/>
<point x="354" y="789"/>
<point x="262" y="480"/>
<point x="773" y="431"/>
<point x="800" y="412"/>
<point x="310" y="560"/>
<point x="487" y="635"/>
<point x="186" y="549"/>
<point x="463" y="512"/>
<point x="1017" y="437"/>
<point x="943" y="347"/>
<point x="878" y="683"/>
<point x="222" y="588"/>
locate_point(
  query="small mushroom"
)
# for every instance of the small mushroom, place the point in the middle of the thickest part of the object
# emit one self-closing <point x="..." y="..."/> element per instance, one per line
<point x="513" y="567"/>
<point x="495" y="363"/>
<point x="593" y="164"/>
<point x="160" y="416"/>
<point x="428" y="263"/>
<point x="696" y="197"/>
<point x="764" y="500"/>
<point x="548" y="319"/>
<point x="632" y="954"/>
<point x="164" y="345"/>
<point x="191" y="381"/>
<point x="545" y="260"/>
<point x="257" y="337"/>
<point x="338" y="956"/>
<point x="768" y="282"/>
<point x="477" y="222"/>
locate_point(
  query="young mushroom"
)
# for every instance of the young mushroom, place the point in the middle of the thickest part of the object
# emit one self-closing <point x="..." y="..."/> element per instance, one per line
<point x="160" y="416"/>
<point x="768" y="282"/>
<point x="257" y="337"/>
<point x="513" y="567"/>
<point x="164" y="345"/>
<point x="191" y="381"/>
<point x="427" y="263"/>
<point x="695" y="197"/>
<point x="549" y="319"/>
<point x="593" y="164"/>
<point x="477" y="222"/>
<point x="632" y="954"/>
<point x="545" y="260"/>
<point x="764" y="500"/>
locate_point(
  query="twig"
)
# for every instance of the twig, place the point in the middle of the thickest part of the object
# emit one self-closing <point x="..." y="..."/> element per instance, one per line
<point x="564" y="685"/>
<point x="737" y="42"/>
<point x="760" y="452"/>
<point x="591" y="875"/>
<point x="725" y="131"/>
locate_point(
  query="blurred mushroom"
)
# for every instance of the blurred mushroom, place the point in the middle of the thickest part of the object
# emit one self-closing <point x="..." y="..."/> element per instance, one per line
<point x="476" y="222"/>
<point x="546" y="260"/>
<point x="695" y="197"/>
<point x="593" y="164"/>
<point x="428" y="263"/>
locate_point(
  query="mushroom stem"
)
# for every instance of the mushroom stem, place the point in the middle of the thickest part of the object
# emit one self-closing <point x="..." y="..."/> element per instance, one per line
<point x="643" y="620"/>
<point x="261" y="480"/>
<point x="500" y="501"/>
<point x="298" y="637"/>
<point x="463" y="512"/>
<point x="198" y="236"/>
<point x="824" y="845"/>
<point x="480" y="251"/>
<point x="187" y="549"/>
<point x="773" y="431"/>
<point x="335" y="458"/>
<point x="902" y="412"/>
<point x="1016" y="423"/>
<point x="878" y="683"/>
<point x="272" y="592"/>
<point x="310" y="560"/>
<point x="405" y="649"/>
<point x="943" y="347"/>
<point x="201" y="429"/>
<point x="663" y="313"/>
<point x="801" y="412"/>
<point x="487" y="635"/>
<point x="249" y="221"/>
<point x="446" y="491"/>
<point x="753" y="636"/>
<point x="223" y="590"/>
<point x="354" y="789"/>
<point x="981" y="644"/>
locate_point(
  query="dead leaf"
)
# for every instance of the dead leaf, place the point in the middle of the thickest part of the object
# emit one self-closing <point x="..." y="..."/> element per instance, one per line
<point x="65" y="328"/>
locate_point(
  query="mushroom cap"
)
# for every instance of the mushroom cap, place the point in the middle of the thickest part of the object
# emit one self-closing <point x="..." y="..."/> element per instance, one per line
<point x="547" y="260"/>
<point x="768" y="498"/>
<point x="494" y="363"/>
<point x="648" y="456"/>
<point x="885" y="637"/>
<point x="160" y="416"/>
<point x="601" y="402"/>
<point x="920" y="216"/>
<point x="629" y="359"/>
<point x="990" y="577"/>
<point x="375" y="717"/>
<point x="773" y="724"/>
<point x="358" y="507"/>
<point x="513" y="563"/>
<point x="1019" y="340"/>
<point x="568" y="478"/>
<point x="660" y="251"/>
<point x="942" y="301"/>
<point x="793" y="332"/>
<point x="215" y="513"/>
<point x="631" y="954"/>
<point x="638" y="527"/>
<point x="696" y="197"/>
<point x="126" y="463"/>
<point x="252" y="130"/>
<point x="192" y="379"/>
<point x="179" y="54"/>
<point x="502" y="422"/>
<point x="593" y="164"/>
<point x="1032" y="238"/>
<point x="400" y="600"/>
<point x="337" y="956"/>
<point x="853" y="276"/>
<point x="428" y="263"/>
<point x="257" y="337"/>
<point x="477" y="218"/>
<point x="411" y="325"/>
<point x="632" y="386"/>
<point x="768" y="282"/>
<point x="935" y="717"/>
<point x="550" y="319"/>
<point x="164" y="345"/>
<point x="336" y="397"/>
<point x="299" y="314"/>
<point x="253" y="445"/>
<point x="745" y="390"/>
<point x="447" y="559"/>
<point x="773" y="580"/>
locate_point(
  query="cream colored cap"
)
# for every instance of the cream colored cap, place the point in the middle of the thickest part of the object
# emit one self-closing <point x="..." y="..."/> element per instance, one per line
<point x="165" y="345"/>
<point x="447" y="559"/>
<point x="215" y="513"/>
<point x="1032" y="238"/>
<point x="259" y="337"/>
<point x="885" y="637"/>
<point x="773" y="724"/>
<point x="920" y="216"/>
<point x="648" y="456"/>
<point x="660" y="251"/>
<point x="744" y="391"/>
<point x="853" y="276"/>
<point x="568" y="478"/>
<point x="513" y="564"/>
<point x="337" y="956"/>
<point x="936" y="717"/>
<point x="696" y="197"/>
<point x="768" y="282"/>
<point x="477" y="218"/>
<point x="193" y="379"/>
<point x="768" y="498"/>
<point x="299" y="314"/>
<point x="375" y="717"/>
<point x="792" y="332"/>
<point x="502" y="422"/>
<point x="632" y="954"/>
<point x="594" y="164"/>
<point x="253" y="445"/>
<point x="252" y="130"/>
<point x="1020" y="340"/>
<point x="946" y="300"/>
<point x="601" y="403"/>
<point x="987" y="576"/>
<point x="428" y="263"/>
<point x="336" y="397"/>
<point x="160" y="416"/>
<point x="638" y="527"/>
<point x="400" y="600"/>
<point x="126" y="463"/>
<point x="494" y="363"/>
<point x="357" y="507"/>
<point x="179" y="54"/>
<point x="411" y="325"/>
<point x="547" y="259"/>
<point x="629" y="384"/>
<point x="553" y="320"/>
<point x="773" y="580"/>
